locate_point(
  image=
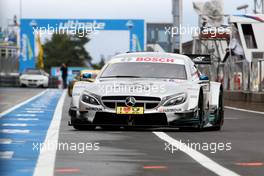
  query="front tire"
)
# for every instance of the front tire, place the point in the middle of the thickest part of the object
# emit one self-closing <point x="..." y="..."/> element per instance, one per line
<point x="77" y="124"/>
<point x="83" y="127"/>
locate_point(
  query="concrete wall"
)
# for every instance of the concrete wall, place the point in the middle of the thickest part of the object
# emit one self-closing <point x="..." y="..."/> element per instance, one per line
<point x="255" y="97"/>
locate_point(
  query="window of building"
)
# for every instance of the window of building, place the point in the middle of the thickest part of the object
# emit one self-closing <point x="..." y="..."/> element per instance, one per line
<point x="162" y="37"/>
<point x="3" y="52"/>
<point x="249" y="36"/>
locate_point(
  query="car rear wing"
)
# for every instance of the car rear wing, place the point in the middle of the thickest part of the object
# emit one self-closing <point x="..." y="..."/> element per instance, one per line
<point x="200" y="58"/>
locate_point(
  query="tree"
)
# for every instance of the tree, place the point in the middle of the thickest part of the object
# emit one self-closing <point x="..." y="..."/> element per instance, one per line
<point x="63" y="48"/>
<point x="100" y="64"/>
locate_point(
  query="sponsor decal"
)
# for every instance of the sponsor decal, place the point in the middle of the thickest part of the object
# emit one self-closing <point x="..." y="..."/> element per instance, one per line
<point x="155" y="59"/>
<point x="130" y="110"/>
<point x="162" y="109"/>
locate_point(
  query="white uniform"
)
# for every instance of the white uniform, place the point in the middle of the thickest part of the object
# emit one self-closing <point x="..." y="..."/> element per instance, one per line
<point x="236" y="47"/>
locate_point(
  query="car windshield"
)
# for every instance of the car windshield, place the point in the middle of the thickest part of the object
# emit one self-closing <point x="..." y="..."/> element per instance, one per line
<point x="33" y="72"/>
<point x="145" y="70"/>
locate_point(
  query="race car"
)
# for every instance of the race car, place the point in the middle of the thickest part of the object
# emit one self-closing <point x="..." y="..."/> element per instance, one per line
<point x="148" y="89"/>
<point x="34" y="78"/>
<point x="84" y="75"/>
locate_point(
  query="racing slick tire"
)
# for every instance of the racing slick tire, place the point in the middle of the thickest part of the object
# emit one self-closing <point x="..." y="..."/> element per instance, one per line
<point x="219" y="114"/>
<point x="110" y="128"/>
<point x="78" y="124"/>
<point x="200" y="113"/>
<point x="83" y="127"/>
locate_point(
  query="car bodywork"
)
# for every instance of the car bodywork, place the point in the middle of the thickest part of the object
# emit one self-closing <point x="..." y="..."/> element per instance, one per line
<point x="34" y="78"/>
<point x="154" y="102"/>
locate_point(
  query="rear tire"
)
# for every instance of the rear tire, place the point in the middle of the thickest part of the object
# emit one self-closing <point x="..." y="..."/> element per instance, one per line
<point x="219" y="114"/>
<point x="200" y="113"/>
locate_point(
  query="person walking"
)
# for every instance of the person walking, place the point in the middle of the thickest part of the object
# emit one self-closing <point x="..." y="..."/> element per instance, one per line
<point x="64" y="74"/>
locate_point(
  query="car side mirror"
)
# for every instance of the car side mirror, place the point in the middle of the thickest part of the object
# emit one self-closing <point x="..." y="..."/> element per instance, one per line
<point x="204" y="78"/>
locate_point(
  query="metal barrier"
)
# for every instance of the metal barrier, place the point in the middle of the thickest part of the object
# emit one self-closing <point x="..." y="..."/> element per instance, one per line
<point x="9" y="64"/>
<point x="239" y="75"/>
<point x="261" y="74"/>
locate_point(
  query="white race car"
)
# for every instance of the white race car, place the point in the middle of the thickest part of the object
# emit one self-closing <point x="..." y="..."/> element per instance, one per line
<point x="148" y="90"/>
<point x="34" y="78"/>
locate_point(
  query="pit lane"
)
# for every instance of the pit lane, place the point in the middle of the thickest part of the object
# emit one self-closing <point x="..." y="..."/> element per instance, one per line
<point x="133" y="152"/>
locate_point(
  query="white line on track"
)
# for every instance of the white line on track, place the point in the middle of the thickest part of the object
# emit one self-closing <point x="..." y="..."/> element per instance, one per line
<point x="26" y="115"/>
<point x="5" y="141"/>
<point x="46" y="161"/>
<point x="33" y="109"/>
<point x="22" y="103"/>
<point x="15" y="124"/>
<point x="14" y="131"/>
<point x="26" y="119"/>
<point x="244" y="110"/>
<point x="197" y="156"/>
<point x="6" y="155"/>
<point x="35" y="112"/>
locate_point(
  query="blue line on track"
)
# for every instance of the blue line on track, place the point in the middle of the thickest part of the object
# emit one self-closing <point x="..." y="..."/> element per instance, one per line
<point x="24" y="158"/>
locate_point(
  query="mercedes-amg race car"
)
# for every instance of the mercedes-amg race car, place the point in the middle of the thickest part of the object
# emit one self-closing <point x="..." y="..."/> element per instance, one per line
<point x="148" y="90"/>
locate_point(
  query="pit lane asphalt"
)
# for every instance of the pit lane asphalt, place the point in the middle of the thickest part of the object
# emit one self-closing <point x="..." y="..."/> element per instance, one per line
<point x="10" y="96"/>
<point x="141" y="152"/>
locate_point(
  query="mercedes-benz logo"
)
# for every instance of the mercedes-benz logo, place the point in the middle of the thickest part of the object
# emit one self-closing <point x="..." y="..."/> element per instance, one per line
<point x="130" y="101"/>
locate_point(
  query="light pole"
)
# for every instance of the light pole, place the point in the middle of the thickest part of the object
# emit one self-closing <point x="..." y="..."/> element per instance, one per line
<point x="177" y="21"/>
<point x="130" y="25"/>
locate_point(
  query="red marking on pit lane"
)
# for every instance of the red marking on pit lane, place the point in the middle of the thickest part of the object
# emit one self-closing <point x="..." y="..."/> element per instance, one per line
<point x="250" y="164"/>
<point x="67" y="170"/>
<point x="155" y="167"/>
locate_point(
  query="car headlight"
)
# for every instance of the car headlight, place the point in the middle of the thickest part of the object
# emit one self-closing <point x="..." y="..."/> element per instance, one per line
<point x="179" y="99"/>
<point x="89" y="99"/>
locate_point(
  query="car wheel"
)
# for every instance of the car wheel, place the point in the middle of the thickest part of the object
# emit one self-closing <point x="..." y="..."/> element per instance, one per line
<point x="200" y="113"/>
<point x="77" y="124"/>
<point x="111" y="128"/>
<point x="219" y="114"/>
<point x="83" y="127"/>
